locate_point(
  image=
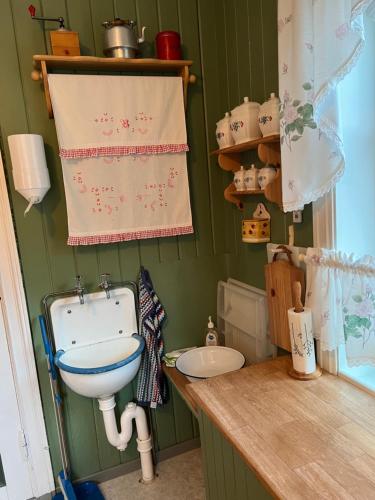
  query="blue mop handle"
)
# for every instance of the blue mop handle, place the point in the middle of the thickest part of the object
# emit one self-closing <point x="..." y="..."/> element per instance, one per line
<point x="47" y="348"/>
<point x="63" y="477"/>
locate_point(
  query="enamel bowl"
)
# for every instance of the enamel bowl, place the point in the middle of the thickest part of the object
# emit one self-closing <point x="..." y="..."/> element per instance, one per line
<point x="101" y="369"/>
<point x="209" y="361"/>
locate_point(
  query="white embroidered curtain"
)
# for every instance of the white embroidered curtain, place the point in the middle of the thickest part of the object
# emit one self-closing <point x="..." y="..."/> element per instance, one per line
<point x="319" y="43"/>
<point x="341" y="293"/>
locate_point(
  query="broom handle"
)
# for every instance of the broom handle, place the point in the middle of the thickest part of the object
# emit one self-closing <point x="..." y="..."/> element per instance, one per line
<point x="56" y="396"/>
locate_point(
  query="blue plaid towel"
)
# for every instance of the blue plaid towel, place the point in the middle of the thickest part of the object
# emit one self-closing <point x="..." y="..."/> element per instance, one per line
<point x="152" y="388"/>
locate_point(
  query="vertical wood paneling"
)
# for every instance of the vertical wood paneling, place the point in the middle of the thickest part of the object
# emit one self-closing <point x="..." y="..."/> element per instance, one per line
<point x="168" y="20"/>
<point x="233" y="46"/>
<point x="219" y="463"/>
<point x="211" y="83"/>
<point x="183" y="419"/>
<point x="100" y="12"/>
<point x="227" y="477"/>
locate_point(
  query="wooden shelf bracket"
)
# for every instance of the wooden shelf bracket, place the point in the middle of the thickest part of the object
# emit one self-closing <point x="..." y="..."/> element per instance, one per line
<point x="268" y="149"/>
<point x="43" y="64"/>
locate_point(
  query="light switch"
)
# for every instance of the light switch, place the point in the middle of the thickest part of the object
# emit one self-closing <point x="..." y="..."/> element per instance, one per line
<point x="297" y="216"/>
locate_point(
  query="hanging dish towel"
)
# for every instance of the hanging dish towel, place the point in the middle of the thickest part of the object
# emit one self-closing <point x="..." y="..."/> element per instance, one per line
<point x="152" y="388"/>
<point x="99" y="115"/>
<point x="113" y="191"/>
<point x="122" y="198"/>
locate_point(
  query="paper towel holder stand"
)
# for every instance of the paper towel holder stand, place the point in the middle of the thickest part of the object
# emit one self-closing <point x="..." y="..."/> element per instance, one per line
<point x="298" y="308"/>
<point x="305" y="376"/>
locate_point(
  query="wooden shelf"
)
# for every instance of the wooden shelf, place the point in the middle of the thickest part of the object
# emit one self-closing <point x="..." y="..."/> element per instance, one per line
<point x="249" y="192"/>
<point x="268" y="149"/>
<point x="43" y="64"/>
<point x="234" y="196"/>
<point x="247" y="146"/>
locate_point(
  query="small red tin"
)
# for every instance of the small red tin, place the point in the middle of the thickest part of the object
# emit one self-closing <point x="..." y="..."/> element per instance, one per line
<point x="168" y="45"/>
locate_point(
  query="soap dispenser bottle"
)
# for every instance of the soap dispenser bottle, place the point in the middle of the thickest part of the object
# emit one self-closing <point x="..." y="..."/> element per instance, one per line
<point x="212" y="337"/>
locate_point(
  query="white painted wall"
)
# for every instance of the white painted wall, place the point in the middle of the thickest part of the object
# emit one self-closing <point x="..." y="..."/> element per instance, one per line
<point x="355" y="192"/>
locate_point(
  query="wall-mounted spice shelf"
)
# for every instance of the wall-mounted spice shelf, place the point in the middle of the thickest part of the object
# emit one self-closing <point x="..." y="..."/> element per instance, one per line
<point x="44" y="64"/>
<point x="268" y="149"/>
<point x="234" y="196"/>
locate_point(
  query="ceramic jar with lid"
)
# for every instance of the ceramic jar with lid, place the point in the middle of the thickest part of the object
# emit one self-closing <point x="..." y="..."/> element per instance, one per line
<point x="223" y="134"/>
<point x="251" y="178"/>
<point x="244" y="124"/>
<point x="257" y="229"/>
<point x="239" y="179"/>
<point x="269" y="116"/>
<point x="266" y="175"/>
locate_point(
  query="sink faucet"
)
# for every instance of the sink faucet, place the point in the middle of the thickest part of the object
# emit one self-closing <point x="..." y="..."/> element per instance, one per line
<point x="80" y="289"/>
<point x="105" y="284"/>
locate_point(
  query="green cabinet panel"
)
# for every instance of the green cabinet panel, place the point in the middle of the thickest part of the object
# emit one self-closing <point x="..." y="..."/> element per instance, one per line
<point x="227" y="477"/>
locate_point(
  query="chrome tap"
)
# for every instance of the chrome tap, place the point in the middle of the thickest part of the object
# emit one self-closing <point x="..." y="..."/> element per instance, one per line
<point x="79" y="289"/>
<point x="105" y="284"/>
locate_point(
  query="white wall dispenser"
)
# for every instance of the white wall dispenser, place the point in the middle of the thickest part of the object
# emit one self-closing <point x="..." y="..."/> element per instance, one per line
<point x="30" y="172"/>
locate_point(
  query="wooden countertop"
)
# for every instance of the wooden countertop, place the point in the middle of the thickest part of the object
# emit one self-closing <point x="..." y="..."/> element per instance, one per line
<point x="312" y="439"/>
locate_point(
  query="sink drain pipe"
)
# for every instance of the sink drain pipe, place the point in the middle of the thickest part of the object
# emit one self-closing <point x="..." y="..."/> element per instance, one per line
<point x="121" y="440"/>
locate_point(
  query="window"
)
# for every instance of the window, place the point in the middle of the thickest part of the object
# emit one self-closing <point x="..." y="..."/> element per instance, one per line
<point x="355" y="192"/>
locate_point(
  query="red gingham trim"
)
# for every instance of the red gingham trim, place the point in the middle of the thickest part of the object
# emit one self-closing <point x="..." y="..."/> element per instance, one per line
<point x="135" y="235"/>
<point x="154" y="149"/>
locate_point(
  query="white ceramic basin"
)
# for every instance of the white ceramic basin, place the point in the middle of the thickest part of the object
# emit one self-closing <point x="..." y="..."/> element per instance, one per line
<point x="101" y="369"/>
<point x="209" y="361"/>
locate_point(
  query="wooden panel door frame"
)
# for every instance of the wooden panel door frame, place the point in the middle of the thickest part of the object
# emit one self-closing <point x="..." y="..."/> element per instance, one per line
<point x="18" y="481"/>
<point x="324" y="234"/>
<point x="21" y="354"/>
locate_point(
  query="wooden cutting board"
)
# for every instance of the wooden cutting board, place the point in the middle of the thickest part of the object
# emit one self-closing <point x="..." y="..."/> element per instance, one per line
<point x="280" y="275"/>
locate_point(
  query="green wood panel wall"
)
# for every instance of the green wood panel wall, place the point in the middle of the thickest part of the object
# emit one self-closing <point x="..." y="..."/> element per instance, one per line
<point x="234" y="47"/>
<point x="227" y="477"/>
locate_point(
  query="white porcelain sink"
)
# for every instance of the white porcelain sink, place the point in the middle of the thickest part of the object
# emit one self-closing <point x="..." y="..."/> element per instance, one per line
<point x="101" y="369"/>
<point x="209" y="361"/>
<point x="98" y="351"/>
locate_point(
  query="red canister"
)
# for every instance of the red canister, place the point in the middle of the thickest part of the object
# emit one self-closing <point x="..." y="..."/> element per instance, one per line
<point x="168" y="45"/>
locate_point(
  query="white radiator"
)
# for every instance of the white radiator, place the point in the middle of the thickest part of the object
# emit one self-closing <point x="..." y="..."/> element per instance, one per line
<point x="243" y="319"/>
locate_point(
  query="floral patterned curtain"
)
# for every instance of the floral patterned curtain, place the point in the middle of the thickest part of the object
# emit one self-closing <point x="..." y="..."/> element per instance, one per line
<point x="319" y="43"/>
<point x="341" y="293"/>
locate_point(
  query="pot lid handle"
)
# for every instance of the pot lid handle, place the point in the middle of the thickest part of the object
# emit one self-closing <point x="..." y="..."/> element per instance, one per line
<point x="119" y="22"/>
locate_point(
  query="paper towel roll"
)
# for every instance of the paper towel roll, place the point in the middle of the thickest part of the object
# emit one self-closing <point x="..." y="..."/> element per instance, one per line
<point x="30" y="173"/>
<point x="302" y="341"/>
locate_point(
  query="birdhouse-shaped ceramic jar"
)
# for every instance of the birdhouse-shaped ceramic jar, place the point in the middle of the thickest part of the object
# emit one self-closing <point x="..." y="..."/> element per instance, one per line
<point x="244" y="124"/>
<point x="223" y="134"/>
<point x="257" y="229"/>
<point x="269" y="116"/>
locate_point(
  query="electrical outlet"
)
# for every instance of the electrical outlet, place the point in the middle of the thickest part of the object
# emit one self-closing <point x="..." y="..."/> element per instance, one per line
<point x="297" y="216"/>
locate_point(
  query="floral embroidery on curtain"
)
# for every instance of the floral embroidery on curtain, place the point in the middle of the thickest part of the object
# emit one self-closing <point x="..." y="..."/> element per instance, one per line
<point x="319" y="43"/>
<point x="341" y="294"/>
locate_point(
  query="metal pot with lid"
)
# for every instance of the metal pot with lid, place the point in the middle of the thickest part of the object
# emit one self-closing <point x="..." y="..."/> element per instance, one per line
<point x="120" y="38"/>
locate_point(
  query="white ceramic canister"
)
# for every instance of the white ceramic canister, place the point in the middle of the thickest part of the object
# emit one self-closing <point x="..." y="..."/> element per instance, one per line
<point x="266" y="175"/>
<point x="223" y="135"/>
<point x="244" y="124"/>
<point x="239" y="179"/>
<point x="269" y="116"/>
<point x="251" y="178"/>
